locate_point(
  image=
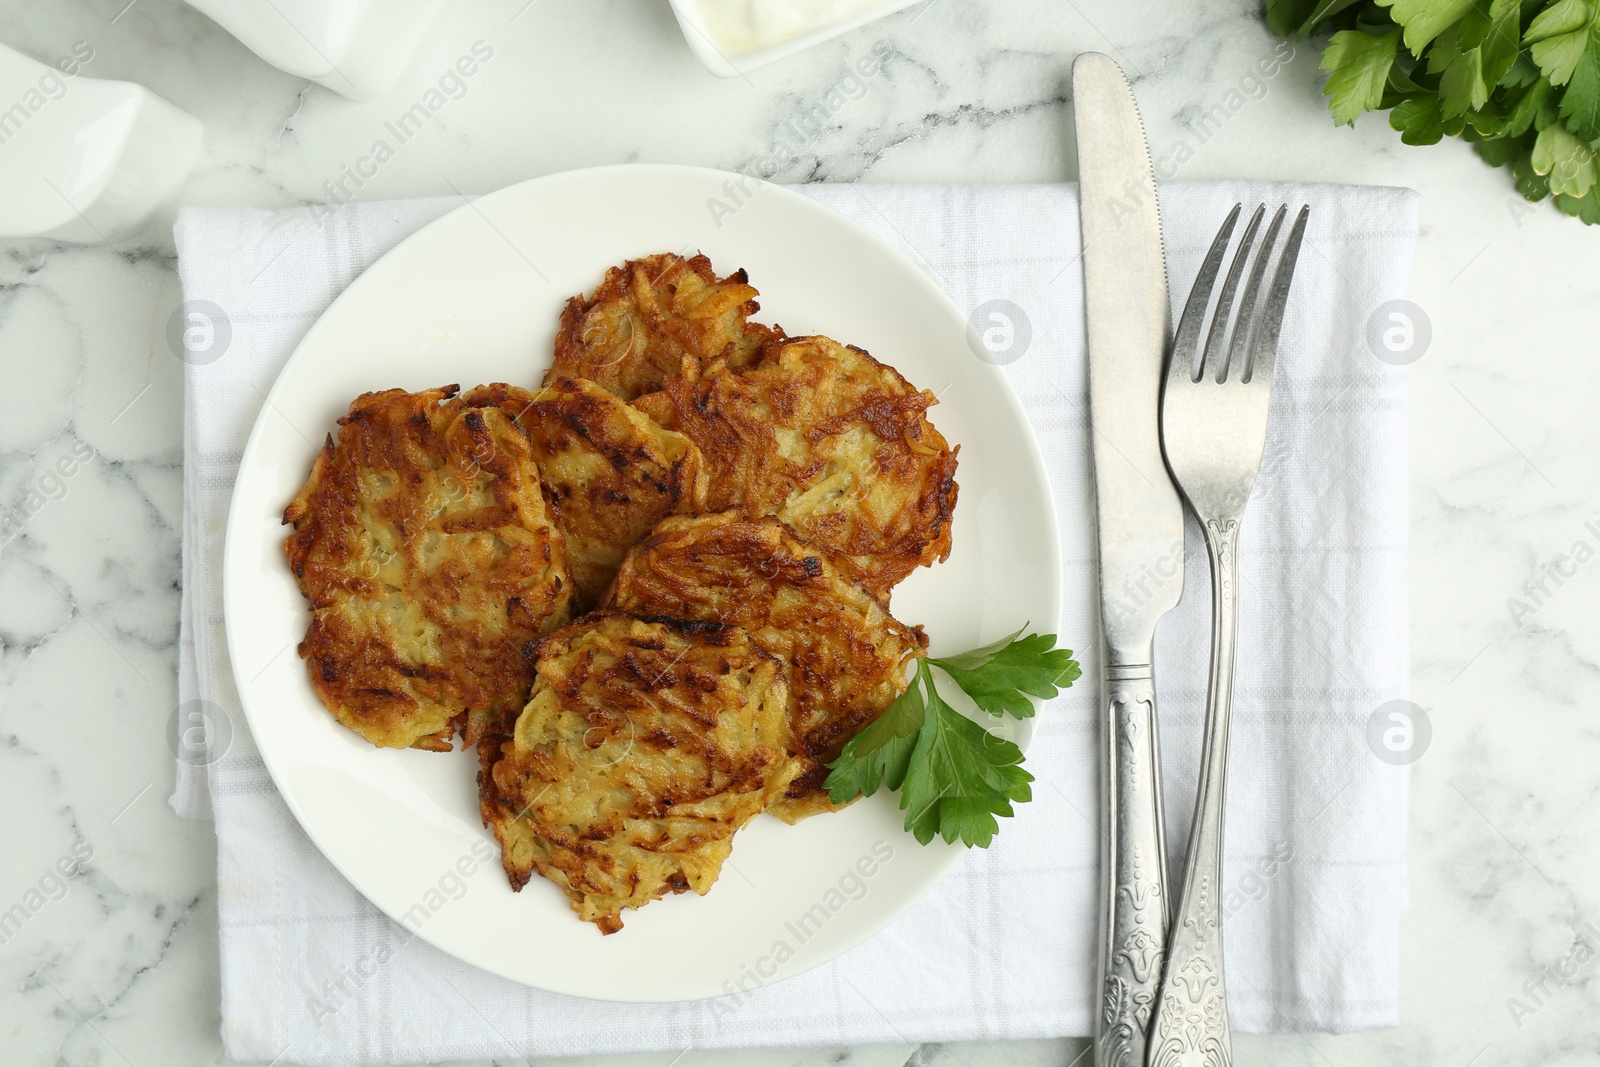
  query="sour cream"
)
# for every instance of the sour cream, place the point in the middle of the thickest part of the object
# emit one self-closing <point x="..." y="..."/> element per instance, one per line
<point x="746" y="25"/>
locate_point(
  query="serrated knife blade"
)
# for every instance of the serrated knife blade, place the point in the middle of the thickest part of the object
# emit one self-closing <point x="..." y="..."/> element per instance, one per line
<point x="1139" y="523"/>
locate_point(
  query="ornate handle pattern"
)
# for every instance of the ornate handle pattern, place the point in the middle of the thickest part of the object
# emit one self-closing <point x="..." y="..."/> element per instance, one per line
<point x="1134" y="864"/>
<point x="1191" y="1012"/>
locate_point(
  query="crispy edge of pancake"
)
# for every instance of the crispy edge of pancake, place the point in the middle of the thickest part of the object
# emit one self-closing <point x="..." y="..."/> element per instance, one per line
<point x="655" y="316"/>
<point x="609" y="472"/>
<point x="845" y="655"/>
<point x="769" y="451"/>
<point x="689" y="683"/>
<point x="351" y="554"/>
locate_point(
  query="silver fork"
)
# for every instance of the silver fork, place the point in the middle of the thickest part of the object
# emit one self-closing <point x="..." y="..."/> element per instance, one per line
<point x="1213" y="430"/>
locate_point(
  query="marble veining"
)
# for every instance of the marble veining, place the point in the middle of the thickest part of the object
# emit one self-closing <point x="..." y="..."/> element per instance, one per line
<point x="115" y="962"/>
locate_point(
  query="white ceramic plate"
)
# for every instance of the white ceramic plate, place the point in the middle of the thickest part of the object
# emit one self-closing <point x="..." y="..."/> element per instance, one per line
<point x="473" y="298"/>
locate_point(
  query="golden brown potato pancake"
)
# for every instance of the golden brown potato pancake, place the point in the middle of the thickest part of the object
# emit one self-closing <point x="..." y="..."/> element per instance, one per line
<point x="649" y="316"/>
<point x="832" y="442"/>
<point x="424" y="546"/>
<point x="609" y="472"/>
<point x="644" y="747"/>
<point x="846" y="655"/>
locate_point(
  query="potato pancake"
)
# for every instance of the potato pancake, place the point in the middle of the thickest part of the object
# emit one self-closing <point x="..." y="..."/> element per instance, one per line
<point x="644" y="747"/>
<point x="846" y="656"/>
<point x="651" y="315"/>
<point x="609" y="472"/>
<point x="424" y="545"/>
<point x="832" y="442"/>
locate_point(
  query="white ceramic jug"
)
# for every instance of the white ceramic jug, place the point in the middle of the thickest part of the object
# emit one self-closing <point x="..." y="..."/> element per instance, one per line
<point x="84" y="159"/>
<point x="355" y="47"/>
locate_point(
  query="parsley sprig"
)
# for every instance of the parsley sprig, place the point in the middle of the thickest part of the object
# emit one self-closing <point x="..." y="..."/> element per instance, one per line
<point x="1519" y="79"/>
<point x="955" y="777"/>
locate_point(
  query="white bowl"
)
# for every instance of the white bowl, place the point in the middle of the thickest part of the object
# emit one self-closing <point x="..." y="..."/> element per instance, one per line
<point x="726" y="62"/>
<point x="85" y="159"/>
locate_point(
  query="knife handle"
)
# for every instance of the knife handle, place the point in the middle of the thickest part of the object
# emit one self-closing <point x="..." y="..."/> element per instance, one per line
<point x="1134" y="868"/>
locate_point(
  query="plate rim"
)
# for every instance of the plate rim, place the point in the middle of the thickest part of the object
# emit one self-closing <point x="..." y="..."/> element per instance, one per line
<point x="232" y="536"/>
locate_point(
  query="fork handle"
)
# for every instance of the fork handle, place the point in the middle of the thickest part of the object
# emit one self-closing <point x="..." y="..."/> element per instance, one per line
<point x="1191" y="1012"/>
<point x="1134" y="861"/>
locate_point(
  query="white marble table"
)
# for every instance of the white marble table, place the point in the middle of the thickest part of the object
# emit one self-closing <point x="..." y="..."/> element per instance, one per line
<point x="1499" y="950"/>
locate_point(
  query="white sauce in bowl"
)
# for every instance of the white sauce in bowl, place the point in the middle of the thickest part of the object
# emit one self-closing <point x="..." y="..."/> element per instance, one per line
<point x="745" y="25"/>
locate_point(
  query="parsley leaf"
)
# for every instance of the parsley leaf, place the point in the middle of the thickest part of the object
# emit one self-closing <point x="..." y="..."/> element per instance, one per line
<point x="1418" y="121"/>
<point x="1000" y="680"/>
<point x="1586" y="208"/>
<point x="1498" y="152"/>
<point x="1359" y="65"/>
<point x="1580" y="104"/>
<point x="1522" y="72"/>
<point x="1567" y="163"/>
<point x="1461" y="76"/>
<point x="1472" y="57"/>
<point x="1529" y="182"/>
<point x="1426" y="19"/>
<point x="882" y="752"/>
<point x="1527" y="107"/>
<point x="961" y="776"/>
<point x="956" y="778"/>
<point x="1558" y="36"/>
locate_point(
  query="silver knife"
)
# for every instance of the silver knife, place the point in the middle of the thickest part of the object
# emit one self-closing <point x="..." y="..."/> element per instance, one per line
<point x="1139" y="521"/>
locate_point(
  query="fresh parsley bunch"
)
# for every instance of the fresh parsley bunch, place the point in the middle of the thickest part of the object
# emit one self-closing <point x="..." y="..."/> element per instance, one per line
<point x="954" y="776"/>
<point x="1520" y="79"/>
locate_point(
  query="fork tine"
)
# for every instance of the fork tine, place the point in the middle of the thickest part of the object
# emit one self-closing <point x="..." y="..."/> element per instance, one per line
<point x="1215" y="360"/>
<point x="1187" y="340"/>
<point x="1238" y="351"/>
<point x="1264" y="352"/>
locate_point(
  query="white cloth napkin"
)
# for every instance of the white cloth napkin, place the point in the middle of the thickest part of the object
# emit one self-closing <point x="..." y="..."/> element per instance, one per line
<point x="1003" y="947"/>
